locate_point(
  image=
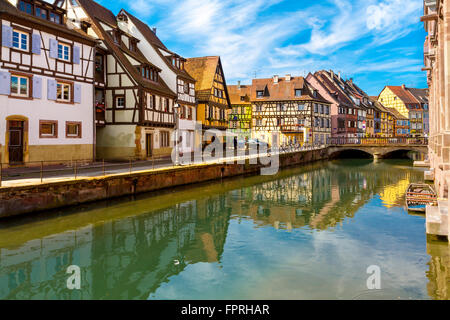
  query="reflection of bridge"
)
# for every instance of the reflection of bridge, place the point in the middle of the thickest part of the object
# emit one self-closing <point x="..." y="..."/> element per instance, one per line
<point x="377" y="147"/>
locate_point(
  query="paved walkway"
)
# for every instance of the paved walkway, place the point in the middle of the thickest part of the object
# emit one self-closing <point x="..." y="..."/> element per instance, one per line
<point x="26" y="176"/>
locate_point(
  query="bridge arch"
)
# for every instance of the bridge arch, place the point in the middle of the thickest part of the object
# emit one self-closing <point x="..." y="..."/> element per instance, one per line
<point x="351" y="152"/>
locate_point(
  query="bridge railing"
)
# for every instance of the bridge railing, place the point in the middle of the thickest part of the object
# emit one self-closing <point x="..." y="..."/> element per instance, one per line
<point x="339" y="141"/>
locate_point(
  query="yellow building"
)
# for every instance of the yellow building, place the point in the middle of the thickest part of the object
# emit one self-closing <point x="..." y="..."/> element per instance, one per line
<point x="211" y="91"/>
<point x="404" y="100"/>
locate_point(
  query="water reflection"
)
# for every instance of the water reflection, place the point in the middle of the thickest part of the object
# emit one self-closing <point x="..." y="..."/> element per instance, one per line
<point x="142" y="248"/>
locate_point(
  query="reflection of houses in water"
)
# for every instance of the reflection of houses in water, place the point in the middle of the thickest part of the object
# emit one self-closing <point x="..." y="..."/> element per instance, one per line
<point x="127" y="258"/>
<point x="320" y="198"/>
<point x="392" y="194"/>
<point x="439" y="273"/>
<point x="38" y="268"/>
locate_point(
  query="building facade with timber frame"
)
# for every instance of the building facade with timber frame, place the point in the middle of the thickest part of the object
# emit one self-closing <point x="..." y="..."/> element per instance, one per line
<point x="46" y="76"/>
<point x="240" y="118"/>
<point x="136" y="103"/>
<point x="289" y="111"/>
<point x="211" y="92"/>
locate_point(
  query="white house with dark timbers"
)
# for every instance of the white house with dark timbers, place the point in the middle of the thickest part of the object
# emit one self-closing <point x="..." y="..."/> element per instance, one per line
<point x="137" y="103"/>
<point x="172" y="72"/>
<point x="46" y="91"/>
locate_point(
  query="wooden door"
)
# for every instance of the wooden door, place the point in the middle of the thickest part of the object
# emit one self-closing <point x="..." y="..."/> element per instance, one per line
<point x="15" y="146"/>
<point x="149" y="144"/>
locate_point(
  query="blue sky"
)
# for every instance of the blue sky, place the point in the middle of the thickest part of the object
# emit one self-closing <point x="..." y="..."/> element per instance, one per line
<point x="375" y="42"/>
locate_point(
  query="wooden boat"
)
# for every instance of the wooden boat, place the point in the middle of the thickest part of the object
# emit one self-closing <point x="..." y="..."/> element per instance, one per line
<point x="418" y="196"/>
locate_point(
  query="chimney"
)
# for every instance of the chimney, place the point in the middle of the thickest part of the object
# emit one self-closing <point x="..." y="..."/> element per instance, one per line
<point x="288" y="77"/>
<point x="339" y="75"/>
<point x="275" y="79"/>
<point x="332" y="74"/>
<point x="239" y="84"/>
<point x="403" y="87"/>
<point x="351" y="80"/>
<point x="154" y="30"/>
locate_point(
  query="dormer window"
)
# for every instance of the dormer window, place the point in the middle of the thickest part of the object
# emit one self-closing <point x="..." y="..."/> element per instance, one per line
<point x="55" y="17"/>
<point x="116" y="37"/>
<point x="26" y="7"/>
<point x="133" y="45"/>
<point x="259" y="94"/>
<point x="148" y="73"/>
<point x="39" y="11"/>
<point x="298" y="92"/>
<point x="242" y="98"/>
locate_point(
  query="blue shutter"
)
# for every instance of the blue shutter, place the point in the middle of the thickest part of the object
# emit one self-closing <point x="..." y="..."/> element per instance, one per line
<point x="77" y="93"/>
<point x="36" y="44"/>
<point x="76" y="55"/>
<point x="53" y="48"/>
<point x="37" y="87"/>
<point x="5" y="83"/>
<point x="51" y="89"/>
<point x="6" y="36"/>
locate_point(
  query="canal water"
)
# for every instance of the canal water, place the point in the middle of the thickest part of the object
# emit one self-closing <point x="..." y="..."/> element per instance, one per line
<point x="310" y="232"/>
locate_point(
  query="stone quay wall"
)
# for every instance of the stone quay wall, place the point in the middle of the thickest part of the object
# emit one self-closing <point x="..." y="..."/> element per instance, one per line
<point x="41" y="197"/>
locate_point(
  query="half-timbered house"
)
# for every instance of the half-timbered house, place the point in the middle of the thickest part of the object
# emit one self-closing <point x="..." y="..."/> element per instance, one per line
<point x="46" y="74"/>
<point x="211" y="92"/>
<point x="172" y="72"/>
<point x="139" y="115"/>
<point x="289" y="111"/>
<point x="240" y="118"/>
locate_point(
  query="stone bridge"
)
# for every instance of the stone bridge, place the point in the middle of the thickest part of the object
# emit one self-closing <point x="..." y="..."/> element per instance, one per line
<point x="377" y="147"/>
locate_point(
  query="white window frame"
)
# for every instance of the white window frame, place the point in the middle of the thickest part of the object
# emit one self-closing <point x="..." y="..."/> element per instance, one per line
<point x="21" y="35"/>
<point x="63" y="45"/>
<point x="117" y="102"/>
<point x="18" y="94"/>
<point x="63" y="84"/>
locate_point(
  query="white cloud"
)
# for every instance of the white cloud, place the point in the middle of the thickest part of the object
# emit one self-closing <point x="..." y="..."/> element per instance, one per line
<point x="283" y="36"/>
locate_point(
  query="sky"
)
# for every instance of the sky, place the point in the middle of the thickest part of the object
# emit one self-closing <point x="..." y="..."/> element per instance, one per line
<point x="375" y="42"/>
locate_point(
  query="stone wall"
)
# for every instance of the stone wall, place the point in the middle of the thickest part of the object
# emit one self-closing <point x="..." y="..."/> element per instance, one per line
<point x="46" y="196"/>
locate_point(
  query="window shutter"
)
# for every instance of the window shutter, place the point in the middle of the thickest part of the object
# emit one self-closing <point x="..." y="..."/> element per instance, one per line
<point x="5" y="83"/>
<point x="6" y="36"/>
<point x="37" y="87"/>
<point x="36" y="44"/>
<point x="76" y="55"/>
<point x="77" y="93"/>
<point x="53" y="48"/>
<point x="51" y="89"/>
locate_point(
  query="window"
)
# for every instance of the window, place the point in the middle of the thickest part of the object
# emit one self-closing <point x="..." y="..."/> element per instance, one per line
<point x="120" y="102"/>
<point x="259" y="94"/>
<point x="20" y="40"/>
<point x="26" y="7"/>
<point x="164" y="139"/>
<point x="48" y="129"/>
<point x="20" y="86"/>
<point x="73" y="129"/>
<point x="64" y="92"/>
<point x="301" y="107"/>
<point x="63" y="51"/>
<point x="133" y="45"/>
<point x="41" y="13"/>
<point x="298" y="92"/>
<point x="55" y="17"/>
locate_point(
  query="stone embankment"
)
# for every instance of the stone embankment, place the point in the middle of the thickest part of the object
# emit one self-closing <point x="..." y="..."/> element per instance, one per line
<point x="19" y="200"/>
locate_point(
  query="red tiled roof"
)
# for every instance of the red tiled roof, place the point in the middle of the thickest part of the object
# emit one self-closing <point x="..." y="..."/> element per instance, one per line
<point x="236" y="92"/>
<point x="284" y="90"/>
<point x="403" y="94"/>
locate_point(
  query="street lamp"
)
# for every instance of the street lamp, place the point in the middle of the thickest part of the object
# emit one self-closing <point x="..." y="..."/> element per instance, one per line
<point x="176" y="108"/>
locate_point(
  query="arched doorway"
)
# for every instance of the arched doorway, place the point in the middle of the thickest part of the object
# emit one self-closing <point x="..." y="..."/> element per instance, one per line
<point x="16" y="140"/>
